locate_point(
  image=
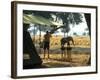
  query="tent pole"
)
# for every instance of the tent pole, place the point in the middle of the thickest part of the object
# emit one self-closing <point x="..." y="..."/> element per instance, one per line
<point x="40" y="39"/>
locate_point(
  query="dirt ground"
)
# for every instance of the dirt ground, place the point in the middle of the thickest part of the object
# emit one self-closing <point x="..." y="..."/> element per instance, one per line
<point x="79" y="58"/>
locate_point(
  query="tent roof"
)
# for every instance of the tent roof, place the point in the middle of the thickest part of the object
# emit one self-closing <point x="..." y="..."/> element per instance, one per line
<point x="38" y="20"/>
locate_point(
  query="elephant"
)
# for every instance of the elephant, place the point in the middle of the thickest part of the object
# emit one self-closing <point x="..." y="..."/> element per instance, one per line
<point x="68" y="48"/>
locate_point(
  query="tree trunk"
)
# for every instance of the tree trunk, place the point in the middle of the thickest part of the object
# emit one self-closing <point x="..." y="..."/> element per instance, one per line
<point x="34" y="34"/>
<point x="64" y="34"/>
<point x="53" y="30"/>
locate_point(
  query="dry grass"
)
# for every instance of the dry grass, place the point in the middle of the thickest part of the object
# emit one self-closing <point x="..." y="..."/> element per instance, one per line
<point x="79" y="41"/>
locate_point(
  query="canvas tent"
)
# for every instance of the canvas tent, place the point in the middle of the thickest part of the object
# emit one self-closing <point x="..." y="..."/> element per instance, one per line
<point x="29" y="48"/>
<point x="32" y="19"/>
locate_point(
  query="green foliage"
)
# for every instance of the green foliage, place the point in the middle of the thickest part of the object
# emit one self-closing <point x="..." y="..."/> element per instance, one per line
<point x="75" y="34"/>
<point x="77" y="17"/>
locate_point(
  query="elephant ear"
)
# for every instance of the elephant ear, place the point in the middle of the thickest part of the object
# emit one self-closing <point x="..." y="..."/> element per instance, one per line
<point x="69" y="38"/>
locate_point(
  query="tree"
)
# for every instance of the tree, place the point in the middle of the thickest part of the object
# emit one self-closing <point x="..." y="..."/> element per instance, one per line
<point x="67" y="18"/>
<point x="65" y="30"/>
<point x="84" y="33"/>
<point x="75" y="33"/>
<point x="86" y="29"/>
